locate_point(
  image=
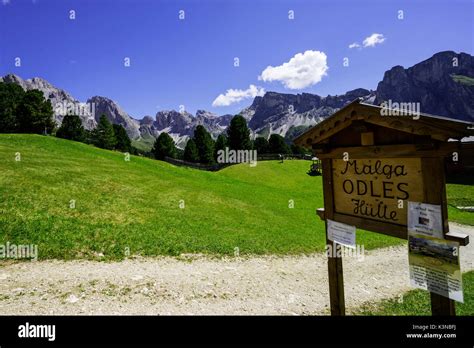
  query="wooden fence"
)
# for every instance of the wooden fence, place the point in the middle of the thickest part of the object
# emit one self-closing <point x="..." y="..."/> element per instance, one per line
<point x="219" y="166"/>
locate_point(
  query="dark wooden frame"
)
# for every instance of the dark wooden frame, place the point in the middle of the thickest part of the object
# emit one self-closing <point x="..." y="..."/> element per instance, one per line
<point x="433" y="172"/>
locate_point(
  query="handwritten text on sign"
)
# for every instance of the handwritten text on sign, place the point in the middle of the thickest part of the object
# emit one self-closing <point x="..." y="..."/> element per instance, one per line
<point x="377" y="189"/>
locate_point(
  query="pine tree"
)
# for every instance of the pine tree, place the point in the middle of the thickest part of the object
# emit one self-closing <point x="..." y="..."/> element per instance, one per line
<point x="221" y="144"/>
<point x="103" y="135"/>
<point x="277" y="144"/>
<point x="11" y="95"/>
<point x="261" y="145"/>
<point x="71" y="128"/>
<point x="35" y="114"/>
<point x="239" y="134"/>
<point x="164" y="147"/>
<point x="124" y="143"/>
<point x="191" y="153"/>
<point x="205" y="145"/>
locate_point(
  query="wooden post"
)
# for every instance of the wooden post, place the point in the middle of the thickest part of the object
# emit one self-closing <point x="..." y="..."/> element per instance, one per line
<point x="435" y="193"/>
<point x="336" y="280"/>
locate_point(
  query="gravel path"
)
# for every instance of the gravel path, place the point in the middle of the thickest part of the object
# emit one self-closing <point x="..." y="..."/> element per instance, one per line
<point x="202" y="285"/>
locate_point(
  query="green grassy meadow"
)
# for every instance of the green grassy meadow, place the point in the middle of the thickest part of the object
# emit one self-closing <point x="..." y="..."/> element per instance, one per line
<point x="136" y="204"/>
<point x="461" y="193"/>
<point x="417" y="302"/>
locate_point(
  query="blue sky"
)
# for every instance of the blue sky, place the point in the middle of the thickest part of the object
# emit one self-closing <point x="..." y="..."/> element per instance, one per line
<point x="190" y="62"/>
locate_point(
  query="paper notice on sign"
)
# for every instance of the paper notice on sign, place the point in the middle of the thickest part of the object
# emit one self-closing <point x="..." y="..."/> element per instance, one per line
<point x="425" y="219"/>
<point x="342" y="233"/>
<point x="434" y="266"/>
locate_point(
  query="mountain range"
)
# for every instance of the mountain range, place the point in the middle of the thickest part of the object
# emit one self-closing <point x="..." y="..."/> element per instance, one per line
<point x="442" y="84"/>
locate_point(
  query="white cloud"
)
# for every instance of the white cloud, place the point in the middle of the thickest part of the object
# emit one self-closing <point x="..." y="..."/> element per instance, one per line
<point x="232" y="96"/>
<point x="5" y="2"/>
<point x="373" y="40"/>
<point x="303" y="70"/>
<point x="354" y="45"/>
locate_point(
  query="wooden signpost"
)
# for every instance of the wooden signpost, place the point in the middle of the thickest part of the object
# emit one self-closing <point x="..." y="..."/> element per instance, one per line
<point x="372" y="166"/>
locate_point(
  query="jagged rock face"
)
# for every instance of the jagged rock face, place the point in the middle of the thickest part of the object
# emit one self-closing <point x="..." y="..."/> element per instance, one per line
<point x="432" y="84"/>
<point x="61" y="101"/>
<point x="181" y="125"/>
<point x="277" y="112"/>
<point x="115" y="115"/>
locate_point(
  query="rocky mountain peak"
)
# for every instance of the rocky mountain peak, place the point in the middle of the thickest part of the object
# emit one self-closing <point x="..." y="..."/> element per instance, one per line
<point x="442" y="85"/>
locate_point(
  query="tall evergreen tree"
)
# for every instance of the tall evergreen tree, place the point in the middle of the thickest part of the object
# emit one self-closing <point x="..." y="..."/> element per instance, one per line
<point x="164" y="147"/>
<point x="205" y="145"/>
<point x="11" y="95"/>
<point x="277" y="144"/>
<point x="71" y="128"/>
<point x="124" y="143"/>
<point x="191" y="153"/>
<point x="35" y="114"/>
<point x="261" y="145"/>
<point x="299" y="150"/>
<point x="239" y="134"/>
<point x="103" y="135"/>
<point x="221" y="144"/>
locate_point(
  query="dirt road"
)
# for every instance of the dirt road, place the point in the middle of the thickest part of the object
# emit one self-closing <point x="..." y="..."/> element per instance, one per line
<point x="203" y="285"/>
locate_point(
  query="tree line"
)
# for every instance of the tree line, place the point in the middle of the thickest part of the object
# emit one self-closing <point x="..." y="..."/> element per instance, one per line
<point x="201" y="148"/>
<point x="29" y="112"/>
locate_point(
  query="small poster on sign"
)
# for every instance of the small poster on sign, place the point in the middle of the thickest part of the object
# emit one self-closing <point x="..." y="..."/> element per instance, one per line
<point x="425" y="219"/>
<point x="342" y="233"/>
<point x="434" y="266"/>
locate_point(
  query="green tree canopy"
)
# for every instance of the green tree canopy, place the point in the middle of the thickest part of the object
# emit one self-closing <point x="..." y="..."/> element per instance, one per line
<point x="71" y="128"/>
<point x="239" y="134"/>
<point x="35" y="114"/>
<point x="261" y="145"/>
<point x="124" y="143"/>
<point x="277" y="144"/>
<point x="191" y="153"/>
<point x="164" y="147"/>
<point x="103" y="135"/>
<point x="205" y="145"/>
<point x="299" y="150"/>
<point x="11" y="96"/>
<point x="221" y="144"/>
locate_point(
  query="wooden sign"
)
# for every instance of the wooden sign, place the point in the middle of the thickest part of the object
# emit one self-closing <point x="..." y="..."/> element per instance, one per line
<point x="377" y="189"/>
<point x="372" y="166"/>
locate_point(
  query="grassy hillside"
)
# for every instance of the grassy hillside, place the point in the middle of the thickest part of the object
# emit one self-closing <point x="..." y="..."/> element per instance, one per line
<point x="135" y="204"/>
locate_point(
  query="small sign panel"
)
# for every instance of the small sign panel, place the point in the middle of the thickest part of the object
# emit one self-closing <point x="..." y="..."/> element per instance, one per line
<point x="425" y="219"/>
<point x="341" y="233"/>
<point x="434" y="266"/>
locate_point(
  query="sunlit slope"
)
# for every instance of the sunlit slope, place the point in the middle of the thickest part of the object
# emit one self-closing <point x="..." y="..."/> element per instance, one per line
<point x="75" y="200"/>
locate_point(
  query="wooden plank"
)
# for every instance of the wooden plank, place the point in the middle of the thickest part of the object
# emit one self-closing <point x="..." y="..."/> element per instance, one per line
<point x="335" y="270"/>
<point x="393" y="151"/>
<point x="393" y="230"/>
<point x="461" y="238"/>
<point x="441" y="305"/>
<point x="367" y="139"/>
<point x="321" y="213"/>
<point x="435" y="193"/>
